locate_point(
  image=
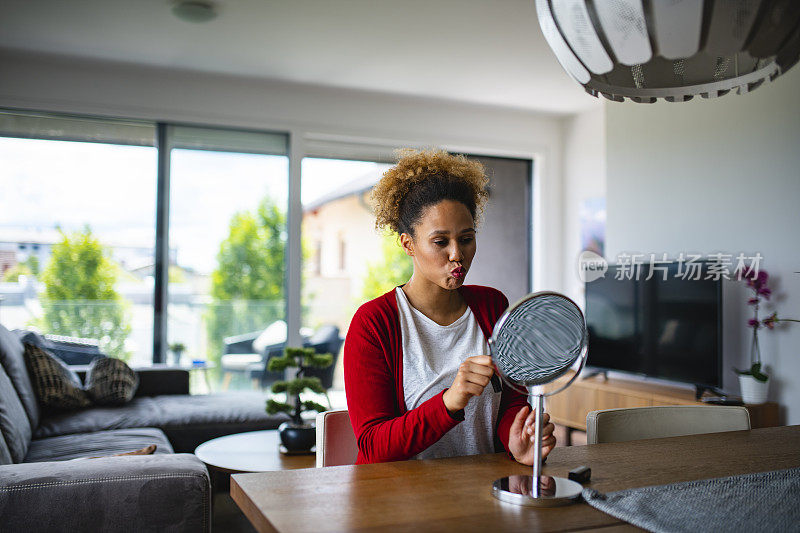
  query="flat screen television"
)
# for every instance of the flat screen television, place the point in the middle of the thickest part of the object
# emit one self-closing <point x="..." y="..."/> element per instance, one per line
<point x="669" y="329"/>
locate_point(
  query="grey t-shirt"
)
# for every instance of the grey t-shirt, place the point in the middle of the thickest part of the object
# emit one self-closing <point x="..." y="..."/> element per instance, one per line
<point x="431" y="356"/>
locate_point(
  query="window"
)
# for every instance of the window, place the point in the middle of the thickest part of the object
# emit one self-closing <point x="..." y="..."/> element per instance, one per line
<point x="317" y="260"/>
<point x="228" y="203"/>
<point x="336" y="212"/>
<point x="188" y="239"/>
<point x="77" y="230"/>
<point x="78" y="188"/>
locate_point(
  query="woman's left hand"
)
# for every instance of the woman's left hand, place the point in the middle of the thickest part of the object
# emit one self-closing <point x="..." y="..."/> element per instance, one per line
<point x="522" y="439"/>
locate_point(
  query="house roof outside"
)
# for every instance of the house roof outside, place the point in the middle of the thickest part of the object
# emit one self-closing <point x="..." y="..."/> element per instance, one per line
<point x="39" y="241"/>
<point x="358" y="185"/>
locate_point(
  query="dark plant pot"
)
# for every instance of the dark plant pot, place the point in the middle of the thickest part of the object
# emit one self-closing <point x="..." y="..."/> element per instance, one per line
<point x="297" y="438"/>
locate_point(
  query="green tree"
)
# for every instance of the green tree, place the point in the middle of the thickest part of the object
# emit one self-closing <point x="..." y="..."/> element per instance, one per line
<point x="393" y="268"/>
<point x="79" y="298"/>
<point x="176" y="274"/>
<point x="32" y="262"/>
<point x="12" y="274"/>
<point x="248" y="284"/>
<point x="29" y="267"/>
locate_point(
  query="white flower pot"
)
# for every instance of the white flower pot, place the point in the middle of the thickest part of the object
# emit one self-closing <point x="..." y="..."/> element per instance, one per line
<point x="753" y="391"/>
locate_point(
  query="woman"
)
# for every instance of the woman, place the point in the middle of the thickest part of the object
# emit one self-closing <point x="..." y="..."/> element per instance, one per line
<point x="415" y="363"/>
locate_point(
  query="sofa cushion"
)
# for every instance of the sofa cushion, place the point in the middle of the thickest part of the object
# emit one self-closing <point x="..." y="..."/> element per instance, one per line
<point x="12" y="358"/>
<point x="111" y="382"/>
<point x="99" y="443"/>
<point x="14" y="423"/>
<point x="56" y="386"/>
<point x="5" y="453"/>
<point x="164" y="492"/>
<point x="187" y="420"/>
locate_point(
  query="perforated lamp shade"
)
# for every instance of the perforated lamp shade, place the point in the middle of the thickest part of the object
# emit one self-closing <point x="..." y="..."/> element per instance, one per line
<point x="671" y="49"/>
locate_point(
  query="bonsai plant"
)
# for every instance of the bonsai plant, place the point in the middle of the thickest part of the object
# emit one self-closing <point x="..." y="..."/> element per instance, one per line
<point x="753" y="381"/>
<point x="177" y="349"/>
<point x="297" y="436"/>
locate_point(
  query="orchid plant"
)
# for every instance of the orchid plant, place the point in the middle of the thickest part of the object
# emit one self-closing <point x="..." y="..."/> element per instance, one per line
<point x="757" y="281"/>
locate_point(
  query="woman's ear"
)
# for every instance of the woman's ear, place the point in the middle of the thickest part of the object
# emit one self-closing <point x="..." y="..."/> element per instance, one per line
<point x="407" y="243"/>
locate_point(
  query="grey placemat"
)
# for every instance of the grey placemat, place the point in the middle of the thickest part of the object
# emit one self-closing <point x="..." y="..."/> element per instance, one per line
<point x="767" y="501"/>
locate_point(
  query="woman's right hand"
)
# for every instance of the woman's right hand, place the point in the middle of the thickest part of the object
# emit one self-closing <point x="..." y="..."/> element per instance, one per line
<point x="473" y="376"/>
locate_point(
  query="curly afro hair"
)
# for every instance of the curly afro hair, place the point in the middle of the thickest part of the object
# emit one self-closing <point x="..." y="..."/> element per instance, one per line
<point x="422" y="178"/>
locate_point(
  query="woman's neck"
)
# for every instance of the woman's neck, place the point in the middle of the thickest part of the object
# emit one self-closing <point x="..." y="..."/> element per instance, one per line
<point x="443" y="306"/>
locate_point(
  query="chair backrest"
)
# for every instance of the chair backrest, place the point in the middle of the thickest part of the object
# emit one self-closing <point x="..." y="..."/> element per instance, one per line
<point x="336" y="442"/>
<point x="619" y="425"/>
<point x="273" y="334"/>
<point x="324" y="334"/>
<point x="325" y="340"/>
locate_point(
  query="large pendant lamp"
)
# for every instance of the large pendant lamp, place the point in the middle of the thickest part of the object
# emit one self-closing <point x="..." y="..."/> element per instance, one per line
<point x="672" y="49"/>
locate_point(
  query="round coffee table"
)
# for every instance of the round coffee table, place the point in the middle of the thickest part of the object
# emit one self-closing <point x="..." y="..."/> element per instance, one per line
<point x="254" y="451"/>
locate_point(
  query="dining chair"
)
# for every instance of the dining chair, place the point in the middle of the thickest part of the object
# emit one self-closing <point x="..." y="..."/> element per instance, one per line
<point x="619" y="425"/>
<point x="336" y="442"/>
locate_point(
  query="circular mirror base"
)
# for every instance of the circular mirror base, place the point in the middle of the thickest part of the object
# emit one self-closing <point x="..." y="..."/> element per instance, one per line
<point x="554" y="491"/>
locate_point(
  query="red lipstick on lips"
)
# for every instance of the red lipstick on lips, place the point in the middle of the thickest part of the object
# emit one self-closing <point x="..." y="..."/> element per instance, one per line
<point x="458" y="273"/>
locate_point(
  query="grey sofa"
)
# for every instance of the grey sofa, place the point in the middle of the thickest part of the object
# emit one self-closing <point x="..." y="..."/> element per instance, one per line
<point x="48" y="483"/>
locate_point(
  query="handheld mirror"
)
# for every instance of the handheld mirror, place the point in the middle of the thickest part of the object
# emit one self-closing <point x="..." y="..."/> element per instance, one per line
<point x="536" y="341"/>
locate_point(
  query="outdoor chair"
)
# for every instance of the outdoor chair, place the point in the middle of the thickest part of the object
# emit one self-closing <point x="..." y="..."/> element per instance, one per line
<point x="325" y="339"/>
<point x="73" y="350"/>
<point x="243" y="352"/>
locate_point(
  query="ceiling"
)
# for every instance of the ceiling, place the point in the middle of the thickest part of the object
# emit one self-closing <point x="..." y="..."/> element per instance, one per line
<point x="479" y="51"/>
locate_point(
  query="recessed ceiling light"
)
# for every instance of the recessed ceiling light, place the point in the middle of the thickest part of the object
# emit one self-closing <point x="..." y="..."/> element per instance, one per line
<point x="195" y="10"/>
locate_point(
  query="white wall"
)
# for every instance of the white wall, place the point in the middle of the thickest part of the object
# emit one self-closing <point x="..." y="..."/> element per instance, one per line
<point x="584" y="178"/>
<point x="717" y="176"/>
<point x="318" y="117"/>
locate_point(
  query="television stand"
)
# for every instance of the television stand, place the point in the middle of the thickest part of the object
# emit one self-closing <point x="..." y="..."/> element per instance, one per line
<point x="594" y="373"/>
<point x="699" y="390"/>
<point x="570" y="407"/>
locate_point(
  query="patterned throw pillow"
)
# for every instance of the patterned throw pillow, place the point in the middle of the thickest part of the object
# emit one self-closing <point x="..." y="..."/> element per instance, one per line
<point x="111" y="382"/>
<point x="57" y="387"/>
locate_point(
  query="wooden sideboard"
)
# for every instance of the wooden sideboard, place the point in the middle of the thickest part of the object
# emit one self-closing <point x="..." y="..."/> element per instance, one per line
<point x="570" y="407"/>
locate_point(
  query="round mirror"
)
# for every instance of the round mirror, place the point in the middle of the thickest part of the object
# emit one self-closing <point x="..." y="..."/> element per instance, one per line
<point x="535" y="342"/>
<point x="538" y="339"/>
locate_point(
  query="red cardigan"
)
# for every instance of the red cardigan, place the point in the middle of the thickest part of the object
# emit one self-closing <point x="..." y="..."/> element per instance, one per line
<point x="373" y="376"/>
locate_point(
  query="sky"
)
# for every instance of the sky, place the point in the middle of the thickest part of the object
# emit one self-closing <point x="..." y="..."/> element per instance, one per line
<point x="113" y="189"/>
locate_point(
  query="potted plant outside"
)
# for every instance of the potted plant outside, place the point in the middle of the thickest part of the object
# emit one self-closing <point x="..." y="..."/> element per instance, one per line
<point x="177" y="349"/>
<point x="296" y="435"/>
<point x="753" y="381"/>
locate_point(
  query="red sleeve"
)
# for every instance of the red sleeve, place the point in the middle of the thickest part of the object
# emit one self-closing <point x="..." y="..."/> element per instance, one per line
<point x="511" y="401"/>
<point x="382" y="433"/>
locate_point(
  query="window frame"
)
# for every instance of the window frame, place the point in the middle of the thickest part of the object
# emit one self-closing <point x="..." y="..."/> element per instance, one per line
<point x="164" y="133"/>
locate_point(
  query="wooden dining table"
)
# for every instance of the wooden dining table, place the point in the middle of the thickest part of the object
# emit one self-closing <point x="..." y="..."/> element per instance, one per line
<point x="454" y="494"/>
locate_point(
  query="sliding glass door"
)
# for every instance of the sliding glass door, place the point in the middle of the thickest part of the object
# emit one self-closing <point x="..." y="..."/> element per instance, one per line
<point x="79" y="235"/>
<point x="345" y="261"/>
<point x="77" y="219"/>
<point x="168" y="243"/>
<point x="228" y="195"/>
